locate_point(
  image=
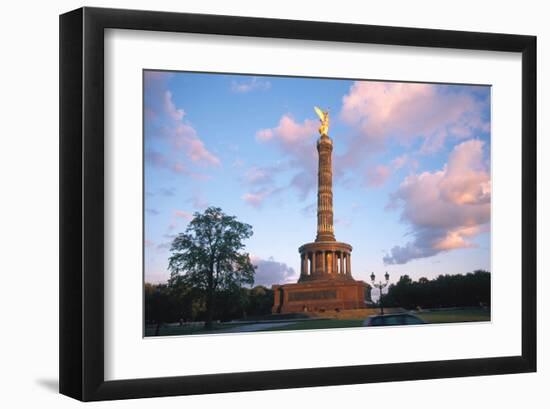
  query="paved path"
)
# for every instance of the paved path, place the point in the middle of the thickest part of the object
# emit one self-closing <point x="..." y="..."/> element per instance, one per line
<point x="255" y="327"/>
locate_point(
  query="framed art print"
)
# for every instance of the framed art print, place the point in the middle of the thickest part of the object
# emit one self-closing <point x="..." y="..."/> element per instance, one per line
<point x="254" y="204"/>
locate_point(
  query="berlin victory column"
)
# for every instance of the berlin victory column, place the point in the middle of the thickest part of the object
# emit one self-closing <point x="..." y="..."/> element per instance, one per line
<point x="325" y="281"/>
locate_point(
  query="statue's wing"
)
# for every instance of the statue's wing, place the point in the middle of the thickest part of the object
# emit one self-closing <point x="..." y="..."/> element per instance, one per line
<point x="320" y="113"/>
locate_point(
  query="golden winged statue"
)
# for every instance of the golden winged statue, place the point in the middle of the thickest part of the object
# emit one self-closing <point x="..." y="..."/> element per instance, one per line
<point x="323" y="116"/>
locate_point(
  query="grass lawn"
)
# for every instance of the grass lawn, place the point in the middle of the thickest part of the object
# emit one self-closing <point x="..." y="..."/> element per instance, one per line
<point x="458" y="315"/>
<point x="431" y="317"/>
<point x="166" y="330"/>
<point x="318" y="324"/>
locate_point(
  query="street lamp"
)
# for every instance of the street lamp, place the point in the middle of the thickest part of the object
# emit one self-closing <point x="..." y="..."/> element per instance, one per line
<point x="380" y="286"/>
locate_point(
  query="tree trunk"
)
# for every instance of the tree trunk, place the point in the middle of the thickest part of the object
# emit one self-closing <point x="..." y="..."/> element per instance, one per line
<point x="210" y="300"/>
<point x="209" y="309"/>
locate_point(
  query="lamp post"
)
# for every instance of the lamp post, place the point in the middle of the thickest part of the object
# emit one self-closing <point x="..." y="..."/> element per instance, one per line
<point x="380" y="286"/>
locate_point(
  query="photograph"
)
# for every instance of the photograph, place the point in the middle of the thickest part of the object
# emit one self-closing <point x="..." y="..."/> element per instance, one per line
<point x="286" y="203"/>
<point x="275" y="205"/>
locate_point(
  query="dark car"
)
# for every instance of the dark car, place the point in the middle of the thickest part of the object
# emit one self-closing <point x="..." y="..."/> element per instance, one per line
<point x="393" y="319"/>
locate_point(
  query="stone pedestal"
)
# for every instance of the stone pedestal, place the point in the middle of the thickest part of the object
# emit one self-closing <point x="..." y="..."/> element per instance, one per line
<point x="319" y="296"/>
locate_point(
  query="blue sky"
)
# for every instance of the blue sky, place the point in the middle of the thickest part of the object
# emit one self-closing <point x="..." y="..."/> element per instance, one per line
<point x="411" y="169"/>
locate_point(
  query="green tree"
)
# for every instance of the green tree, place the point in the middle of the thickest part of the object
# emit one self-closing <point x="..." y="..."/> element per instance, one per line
<point x="188" y="300"/>
<point x="457" y="290"/>
<point x="159" y="305"/>
<point x="260" y="301"/>
<point x="210" y="257"/>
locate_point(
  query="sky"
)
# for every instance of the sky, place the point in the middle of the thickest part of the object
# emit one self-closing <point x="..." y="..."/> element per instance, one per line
<point x="411" y="169"/>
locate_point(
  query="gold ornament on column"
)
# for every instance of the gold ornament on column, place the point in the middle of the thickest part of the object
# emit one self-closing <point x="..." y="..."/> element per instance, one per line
<point x="323" y="116"/>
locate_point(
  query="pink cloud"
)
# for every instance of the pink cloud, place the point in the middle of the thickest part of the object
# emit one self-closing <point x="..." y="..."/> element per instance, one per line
<point x="405" y="112"/>
<point x="377" y="175"/>
<point x="297" y="142"/>
<point x="156" y="159"/>
<point x="259" y="176"/>
<point x="182" y="136"/>
<point x="159" y="160"/>
<point x="168" y="125"/>
<point x="467" y="182"/>
<point x="446" y="209"/>
<point x="400" y="161"/>
<point x="175" y="220"/>
<point x="183" y="214"/>
<point x="256" y="199"/>
<point x="197" y="152"/>
<point x="456" y="239"/>
<point x="170" y="108"/>
<point x="264" y="135"/>
<point x="180" y="168"/>
<point x="289" y="133"/>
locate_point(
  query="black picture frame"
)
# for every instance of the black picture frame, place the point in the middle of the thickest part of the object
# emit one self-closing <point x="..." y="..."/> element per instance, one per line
<point x="82" y="197"/>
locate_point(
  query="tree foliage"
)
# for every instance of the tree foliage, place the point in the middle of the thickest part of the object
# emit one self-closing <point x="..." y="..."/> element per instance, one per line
<point x="209" y="258"/>
<point x="458" y="290"/>
<point x="159" y="305"/>
<point x="175" y="301"/>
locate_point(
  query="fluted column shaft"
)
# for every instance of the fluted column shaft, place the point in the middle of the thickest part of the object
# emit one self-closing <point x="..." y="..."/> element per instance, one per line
<point x="325" y="217"/>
